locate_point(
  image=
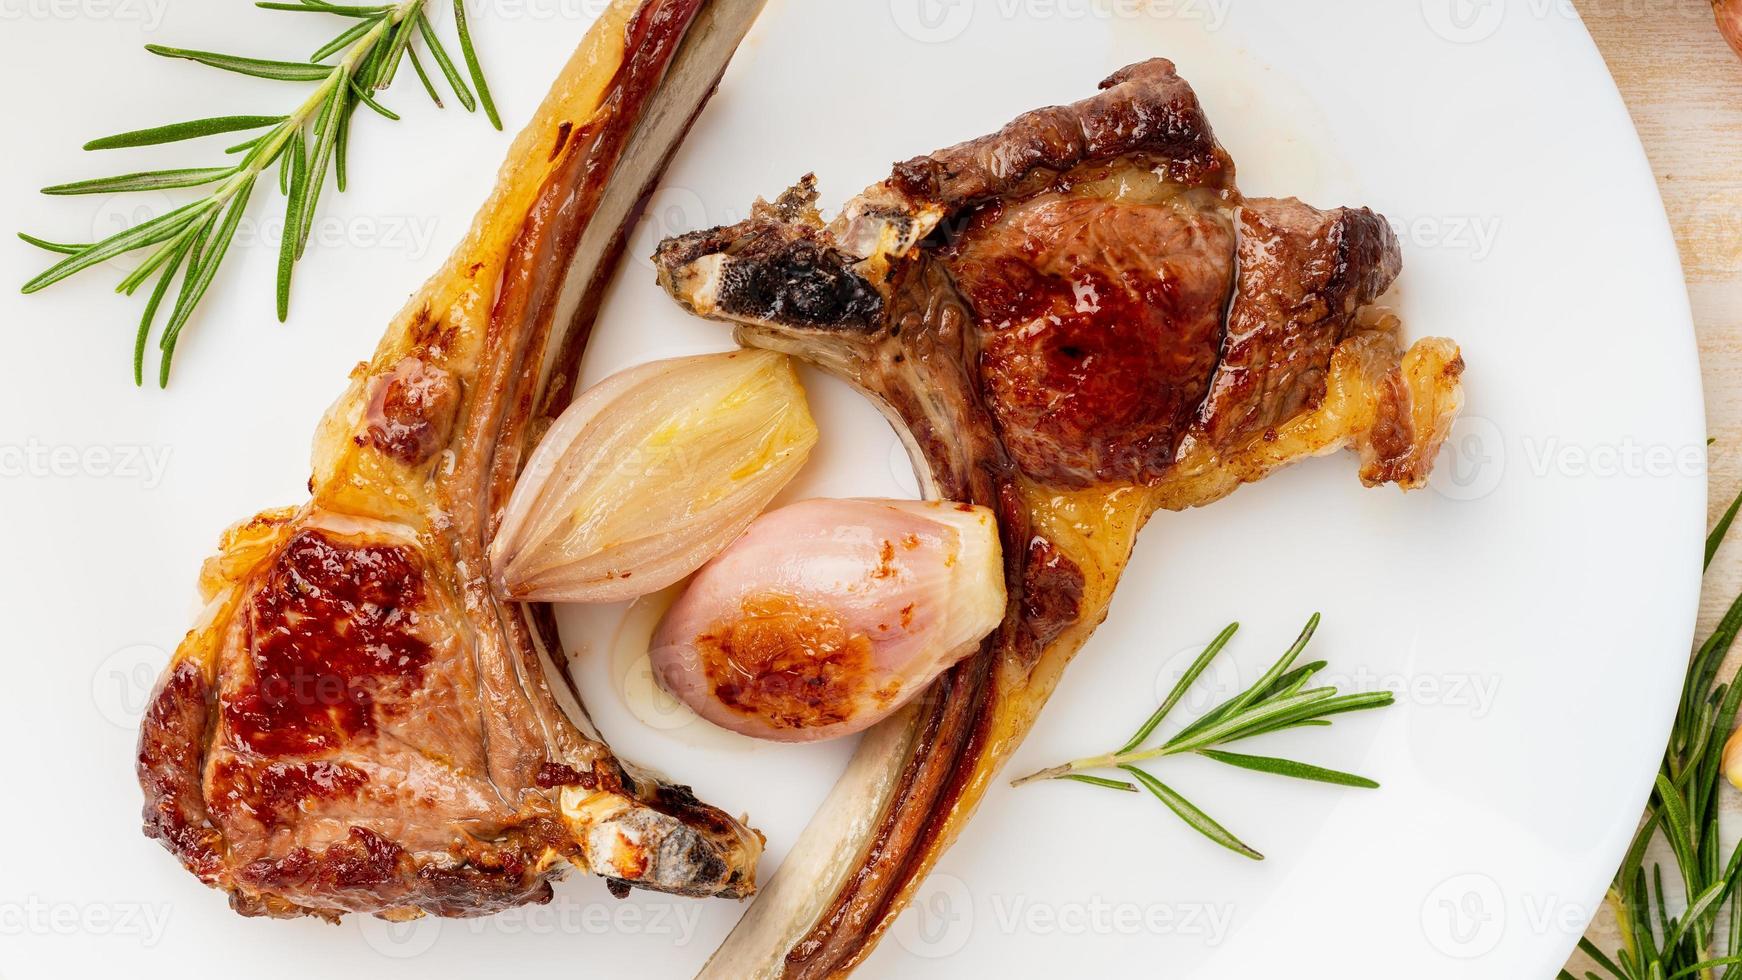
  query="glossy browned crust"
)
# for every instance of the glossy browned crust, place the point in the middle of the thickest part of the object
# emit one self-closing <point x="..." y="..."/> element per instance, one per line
<point x="1303" y="275"/>
<point x="1145" y="108"/>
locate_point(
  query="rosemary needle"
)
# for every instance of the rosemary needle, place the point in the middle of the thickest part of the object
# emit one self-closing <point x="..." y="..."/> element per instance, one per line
<point x="191" y="241"/>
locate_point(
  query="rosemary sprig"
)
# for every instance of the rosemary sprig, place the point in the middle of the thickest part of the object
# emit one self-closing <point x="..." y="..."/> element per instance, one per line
<point x="1681" y="932"/>
<point x="1278" y="701"/>
<point x="192" y="240"/>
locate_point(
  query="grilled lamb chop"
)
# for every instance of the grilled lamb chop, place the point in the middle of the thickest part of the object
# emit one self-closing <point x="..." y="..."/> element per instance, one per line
<point x="357" y="724"/>
<point x="1076" y="321"/>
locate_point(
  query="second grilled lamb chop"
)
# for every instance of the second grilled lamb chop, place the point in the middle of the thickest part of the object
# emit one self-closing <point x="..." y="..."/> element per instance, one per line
<point x="1075" y="321"/>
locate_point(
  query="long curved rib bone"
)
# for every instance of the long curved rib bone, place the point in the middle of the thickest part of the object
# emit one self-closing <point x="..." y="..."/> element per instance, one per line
<point x="1076" y="321"/>
<point x="357" y="724"/>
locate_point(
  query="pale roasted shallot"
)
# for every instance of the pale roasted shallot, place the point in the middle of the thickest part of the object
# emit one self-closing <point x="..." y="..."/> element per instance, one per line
<point x="649" y="474"/>
<point x="828" y="615"/>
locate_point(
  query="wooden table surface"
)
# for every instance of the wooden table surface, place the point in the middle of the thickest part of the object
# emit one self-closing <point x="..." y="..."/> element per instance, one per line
<point x="1684" y="88"/>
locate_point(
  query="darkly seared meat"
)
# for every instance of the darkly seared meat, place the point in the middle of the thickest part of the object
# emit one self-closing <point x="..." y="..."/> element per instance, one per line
<point x="1083" y="301"/>
<point x="1303" y="274"/>
<point x="1076" y="321"/>
<point x="357" y="724"/>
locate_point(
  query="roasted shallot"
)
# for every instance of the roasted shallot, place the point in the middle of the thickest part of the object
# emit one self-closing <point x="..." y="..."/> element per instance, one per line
<point x="649" y="474"/>
<point x="828" y="615"/>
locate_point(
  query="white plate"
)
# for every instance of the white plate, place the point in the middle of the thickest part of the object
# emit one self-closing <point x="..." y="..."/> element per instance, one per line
<point x="1534" y="607"/>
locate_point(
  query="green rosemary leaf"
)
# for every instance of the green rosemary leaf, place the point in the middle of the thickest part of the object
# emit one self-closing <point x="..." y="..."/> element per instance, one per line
<point x="285" y="165"/>
<point x="138" y="276"/>
<point x="1678" y="830"/>
<point x="363" y="97"/>
<point x="1251" y="718"/>
<point x="1718" y="534"/>
<point x="1697" y="909"/>
<point x="151" y="306"/>
<point x="1294" y="680"/>
<point x="342" y="149"/>
<point x="294" y="201"/>
<point x="245" y="145"/>
<point x="175" y="132"/>
<point x="166" y="343"/>
<point x="1274" y="678"/>
<point x="1600" y="959"/>
<point x="1317" y="713"/>
<point x="158" y="229"/>
<point x="49" y="246"/>
<point x="423" y="76"/>
<point x="396" y="45"/>
<point x="1119" y="784"/>
<point x="326" y="131"/>
<point x="344" y="40"/>
<point x="285" y="71"/>
<point x="1639" y="906"/>
<point x="1260" y="689"/>
<point x="472" y="65"/>
<point x="1703" y="669"/>
<point x="1704" y="965"/>
<point x="445" y="63"/>
<point x="1284" y="767"/>
<point x="325" y="8"/>
<point x="1186" y="680"/>
<point x="1196" y="818"/>
<point x="200" y="277"/>
<point x="155" y="180"/>
<point x="1663" y="923"/>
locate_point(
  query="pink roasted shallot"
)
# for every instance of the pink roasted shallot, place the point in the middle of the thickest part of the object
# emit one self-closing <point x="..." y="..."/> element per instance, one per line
<point x="828" y="615"/>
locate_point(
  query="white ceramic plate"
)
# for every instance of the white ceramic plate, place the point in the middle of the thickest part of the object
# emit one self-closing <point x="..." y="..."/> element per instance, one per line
<point x="1534" y="609"/>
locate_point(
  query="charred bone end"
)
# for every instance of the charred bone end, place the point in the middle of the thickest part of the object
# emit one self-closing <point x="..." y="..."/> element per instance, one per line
<point x="770" y="270"/>
<point x="649" y="848"/>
